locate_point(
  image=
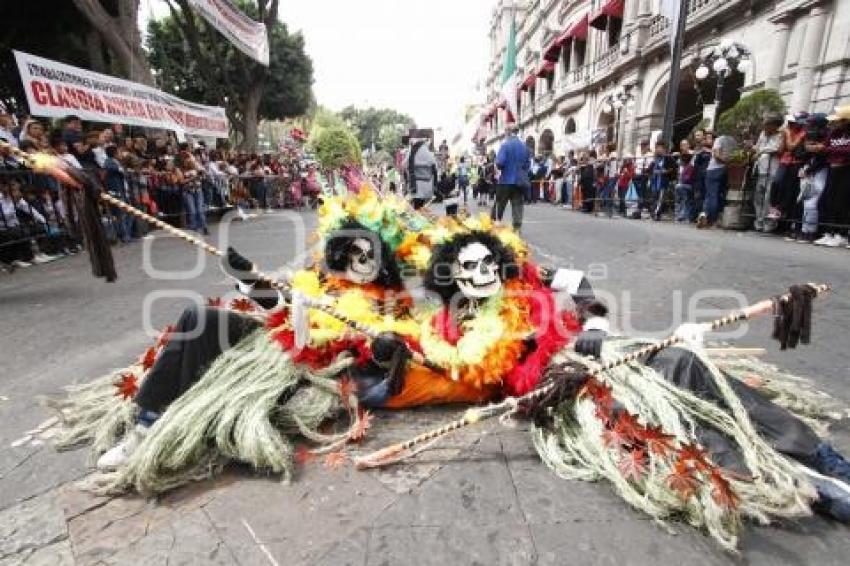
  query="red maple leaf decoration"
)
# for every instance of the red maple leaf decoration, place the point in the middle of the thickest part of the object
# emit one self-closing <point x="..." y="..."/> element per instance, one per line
<point x="304" y="456"/>
<point x="614" y="438"/>
<point x="629" y="425"/>
<point x="164" y="336"/>
<point x="601" y="393"/>
<point x="127" y="387"/>
<point x="214" y="301"/>
<point x="624" y="431"/>
<point x="242" y="305"/>
<point x="656" y="440"/>
<point x="682" y="481"/>
<point x="693" y="454"/>
<point x="148" y="358"/>
<point x="722" y="492"/>
<point x="347" y="388"/>
<point x="335" y="460"/>
<point x="632" y="464"/>
<point x="363" y="424"/>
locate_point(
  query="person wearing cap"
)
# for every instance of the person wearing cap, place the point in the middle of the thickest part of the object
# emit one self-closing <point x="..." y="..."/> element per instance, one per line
<point x="834" y="205"/>
<point x="767" y="162"/>
<point x="785" y="186"/>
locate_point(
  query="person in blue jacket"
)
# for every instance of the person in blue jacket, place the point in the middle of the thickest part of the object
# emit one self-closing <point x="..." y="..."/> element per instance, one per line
<point x="513" y="161"/>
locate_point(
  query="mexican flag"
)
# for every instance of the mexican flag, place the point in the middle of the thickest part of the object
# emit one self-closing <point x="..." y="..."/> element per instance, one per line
<point x="509" y="79"/>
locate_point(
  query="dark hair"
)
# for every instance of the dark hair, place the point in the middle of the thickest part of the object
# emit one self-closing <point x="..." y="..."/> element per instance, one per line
<point x="111" y="151"/>
<point x="446" y="254"/>
<point x="662" y="143"/>
<point x="71" y="118"/>
<point x="338" y="247"/>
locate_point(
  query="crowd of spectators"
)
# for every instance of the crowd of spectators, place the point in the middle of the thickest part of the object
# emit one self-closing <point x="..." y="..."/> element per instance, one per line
<point x="793" y="180"/>
<point x="182" y="183"/>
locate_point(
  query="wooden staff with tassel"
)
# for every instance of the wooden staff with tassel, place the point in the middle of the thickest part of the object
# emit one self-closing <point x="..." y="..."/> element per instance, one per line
<point x="56" y="167"/>
<point x="401" y="450"/>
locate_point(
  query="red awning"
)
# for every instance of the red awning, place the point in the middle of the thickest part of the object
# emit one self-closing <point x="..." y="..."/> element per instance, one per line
<point x="529" y="81"/>
<point x="577" y="30"/>
<point x="610" y="9"/>
<point x="553" y="52"/>
<point x="546" y="68"/>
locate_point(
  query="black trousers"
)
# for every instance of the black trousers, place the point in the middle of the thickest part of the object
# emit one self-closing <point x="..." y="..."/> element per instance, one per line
<point x="834" y="203"/>
<point x="781" y="429"/>
<point x="516" y="196"/>
<point x="207" y="332"/>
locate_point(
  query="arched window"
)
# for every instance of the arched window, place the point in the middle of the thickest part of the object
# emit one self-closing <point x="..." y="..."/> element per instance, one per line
<point x="547" y="142"/>
<point x="570" y="127"/>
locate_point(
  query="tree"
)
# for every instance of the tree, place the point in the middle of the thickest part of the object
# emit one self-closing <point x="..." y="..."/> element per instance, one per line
<point x="192" y="60"/>
<point x="747" y="116"/>
<point x="371" y="122"/>
<point x="117" y="23"/>
<point x="335" y="145"/>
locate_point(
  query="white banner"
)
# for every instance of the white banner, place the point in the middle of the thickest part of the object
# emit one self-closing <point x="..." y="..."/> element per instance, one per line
<point x="247" y="35"/>
<point x="56" y="90"/>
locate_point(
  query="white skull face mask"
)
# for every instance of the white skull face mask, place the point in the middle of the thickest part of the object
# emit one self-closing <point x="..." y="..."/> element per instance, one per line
<point x="476" y="272"/>
<point x="362" y="267"/>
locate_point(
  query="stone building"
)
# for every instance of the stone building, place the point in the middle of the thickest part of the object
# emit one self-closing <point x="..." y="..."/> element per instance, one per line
<point x="595" y="72"/>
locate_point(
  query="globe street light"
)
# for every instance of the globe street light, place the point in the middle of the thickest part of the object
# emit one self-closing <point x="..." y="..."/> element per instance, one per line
<point x="617" y="100"/>
<point x="724" y="59"/>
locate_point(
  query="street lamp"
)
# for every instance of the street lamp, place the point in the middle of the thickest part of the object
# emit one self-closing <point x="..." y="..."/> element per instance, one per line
<point x="622" y="97"/>
<point x="724" y="59"/>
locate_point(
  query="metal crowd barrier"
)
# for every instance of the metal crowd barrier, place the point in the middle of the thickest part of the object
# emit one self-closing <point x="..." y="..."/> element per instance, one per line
<point x="33" y="216"/>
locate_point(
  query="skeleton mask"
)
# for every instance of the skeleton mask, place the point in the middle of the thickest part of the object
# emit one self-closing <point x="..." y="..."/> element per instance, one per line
<point x="476" y="272"/>
<point x="362" y="267"/>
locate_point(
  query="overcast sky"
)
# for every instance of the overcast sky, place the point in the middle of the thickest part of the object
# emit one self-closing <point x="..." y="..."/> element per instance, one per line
<point x="421" y="57"/>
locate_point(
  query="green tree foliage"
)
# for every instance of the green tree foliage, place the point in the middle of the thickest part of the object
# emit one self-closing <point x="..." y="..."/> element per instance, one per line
<point x="334" y="145"/>
<point x="381" y="126"/>
<point x="747" y="116"/>
<point x="192" y="60"/>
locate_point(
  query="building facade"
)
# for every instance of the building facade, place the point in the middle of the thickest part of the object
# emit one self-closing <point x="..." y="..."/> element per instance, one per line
<point x="595" y="72"/>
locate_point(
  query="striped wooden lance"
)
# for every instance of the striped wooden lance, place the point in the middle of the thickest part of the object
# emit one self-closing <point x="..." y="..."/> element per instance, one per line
<point x="400" y="451"/>
<point x="54" y="166"/>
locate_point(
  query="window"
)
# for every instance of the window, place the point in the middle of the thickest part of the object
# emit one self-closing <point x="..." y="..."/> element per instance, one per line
<point x="580" y="48"/>
<point x="615" y="29"/>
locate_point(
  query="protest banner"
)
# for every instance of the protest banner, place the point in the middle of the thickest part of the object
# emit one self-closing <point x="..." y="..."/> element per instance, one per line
<point x="247" y="35"/>
<point x="55" y="90"/>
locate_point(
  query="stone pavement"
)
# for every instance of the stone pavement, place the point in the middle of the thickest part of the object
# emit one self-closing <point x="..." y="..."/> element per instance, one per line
<point x="479" y="497"/>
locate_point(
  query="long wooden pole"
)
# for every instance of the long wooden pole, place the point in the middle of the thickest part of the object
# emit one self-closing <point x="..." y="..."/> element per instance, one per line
<point x="393" y="453"/>
<point x="55" y="166"/>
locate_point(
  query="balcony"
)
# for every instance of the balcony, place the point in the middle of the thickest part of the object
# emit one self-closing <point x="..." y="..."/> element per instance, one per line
<point x="698" y="12"/>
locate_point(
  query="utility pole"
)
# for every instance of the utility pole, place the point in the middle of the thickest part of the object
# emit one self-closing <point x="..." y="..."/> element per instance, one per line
<point x="675" y="72"/>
